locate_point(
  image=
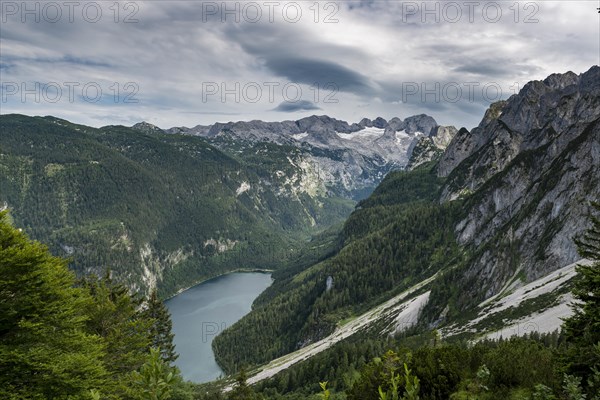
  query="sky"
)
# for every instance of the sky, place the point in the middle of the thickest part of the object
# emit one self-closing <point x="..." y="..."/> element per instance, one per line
<point x="184" y="63"/>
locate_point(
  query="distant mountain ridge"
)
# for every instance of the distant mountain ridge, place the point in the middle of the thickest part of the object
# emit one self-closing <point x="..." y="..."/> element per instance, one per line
<point x="159" y="210"/>
<point x="350" y="159"/>
<point x="165" y="209"/>
<point x="313" y="124"/>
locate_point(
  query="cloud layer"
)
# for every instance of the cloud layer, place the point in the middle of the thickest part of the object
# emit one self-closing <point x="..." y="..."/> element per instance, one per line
<point x="177" y="63"/>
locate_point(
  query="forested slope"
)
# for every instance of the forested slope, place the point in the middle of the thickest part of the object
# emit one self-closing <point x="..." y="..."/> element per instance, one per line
<point x="159" y="210"/>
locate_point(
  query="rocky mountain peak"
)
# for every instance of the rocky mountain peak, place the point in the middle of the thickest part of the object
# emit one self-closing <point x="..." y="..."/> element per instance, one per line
<point x="147" y="127"/>
<point x="396" y="124"/>
<point x="351" y="157"/>
<point x="365" y="123"/>
<point x="319" y="124"/>
<point x="428" y="148"/>
<point x="540" y="113"/>
<point x="560" y="81"/>
<point x="493" y="112"/>
<point x="443" y="135"/>
<point x="380" y="123"/>
<point x="419" y="123"/>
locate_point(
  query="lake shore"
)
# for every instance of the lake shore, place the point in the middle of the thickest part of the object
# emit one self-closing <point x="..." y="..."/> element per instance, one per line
<point x="201" y="281"/>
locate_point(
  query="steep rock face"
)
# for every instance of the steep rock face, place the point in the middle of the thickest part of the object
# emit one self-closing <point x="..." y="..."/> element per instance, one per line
<point x="466" y="143"/>
<point x="543" y="112"/>
<point x="419" y="123"/>
<point x="443" y="135"/>
<point x="431" y="147"/>
<point x="396" y="124"/>
<point x="533" y="165"/>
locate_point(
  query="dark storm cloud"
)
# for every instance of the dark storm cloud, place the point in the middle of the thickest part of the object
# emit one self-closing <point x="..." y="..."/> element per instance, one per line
<point x="303" y="57"/>
<point x="83" y="61"/>
<point x="6" y="66"/>
<point x="483" y="69"/>
<point x="67" y="59"/>
<point x="309" y="71"/>
<point x="302" y="105"/>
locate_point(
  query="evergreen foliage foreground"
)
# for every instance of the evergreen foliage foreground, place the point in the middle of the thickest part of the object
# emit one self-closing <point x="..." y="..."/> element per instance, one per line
<point x="91" y="339"/>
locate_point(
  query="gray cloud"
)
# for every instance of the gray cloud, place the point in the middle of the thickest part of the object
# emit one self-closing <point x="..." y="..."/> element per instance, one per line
<point x="210" y="112"/>
<point x="66" y="59"/>
<point x="302" y="105"/>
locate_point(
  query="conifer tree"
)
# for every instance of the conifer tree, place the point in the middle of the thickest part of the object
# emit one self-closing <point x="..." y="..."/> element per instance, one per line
<point x="115" y="316"/>
<point x="45" y="351"/>
<point x="582" y="330"/>
<point x="242" y="390"/>
<point x="155" y="380"/>
<point x="161" y="334"/>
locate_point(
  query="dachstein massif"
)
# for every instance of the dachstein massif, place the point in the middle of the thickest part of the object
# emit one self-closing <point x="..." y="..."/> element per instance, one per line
<point x="374" y="230"/>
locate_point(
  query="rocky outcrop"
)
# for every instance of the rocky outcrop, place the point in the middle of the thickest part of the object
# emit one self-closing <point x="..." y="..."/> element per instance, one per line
<point x="431" y="147"/>
<point x="442" y="136"/>
<point x="419" y="123"/>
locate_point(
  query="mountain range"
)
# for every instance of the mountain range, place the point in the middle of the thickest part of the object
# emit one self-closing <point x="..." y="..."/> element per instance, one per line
<point x="348" y="159"/>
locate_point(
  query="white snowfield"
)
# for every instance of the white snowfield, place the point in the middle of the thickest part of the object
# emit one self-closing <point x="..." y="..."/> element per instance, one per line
<point x="365" y="132"/>
<point x="544" y="321"/>
<point x="300" y="136"/>
<point x="407" y="313"/>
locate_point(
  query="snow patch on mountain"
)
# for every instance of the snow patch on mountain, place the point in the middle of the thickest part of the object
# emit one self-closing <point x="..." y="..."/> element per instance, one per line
<point x="348" y="160"/>
<point x="300" y="136"/>
<point x="402" y="135"/>
<point x="363" y="133"/>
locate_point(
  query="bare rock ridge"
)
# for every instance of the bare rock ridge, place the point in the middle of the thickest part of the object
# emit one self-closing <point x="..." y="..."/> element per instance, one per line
<point x="147" y="127"/>
<point x="431" y="147"/>
<point x="280" y="132"/>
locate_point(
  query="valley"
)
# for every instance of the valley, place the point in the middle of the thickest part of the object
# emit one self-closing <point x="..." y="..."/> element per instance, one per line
<point x="379" y="235"/>
<point x="168" y="209"/>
